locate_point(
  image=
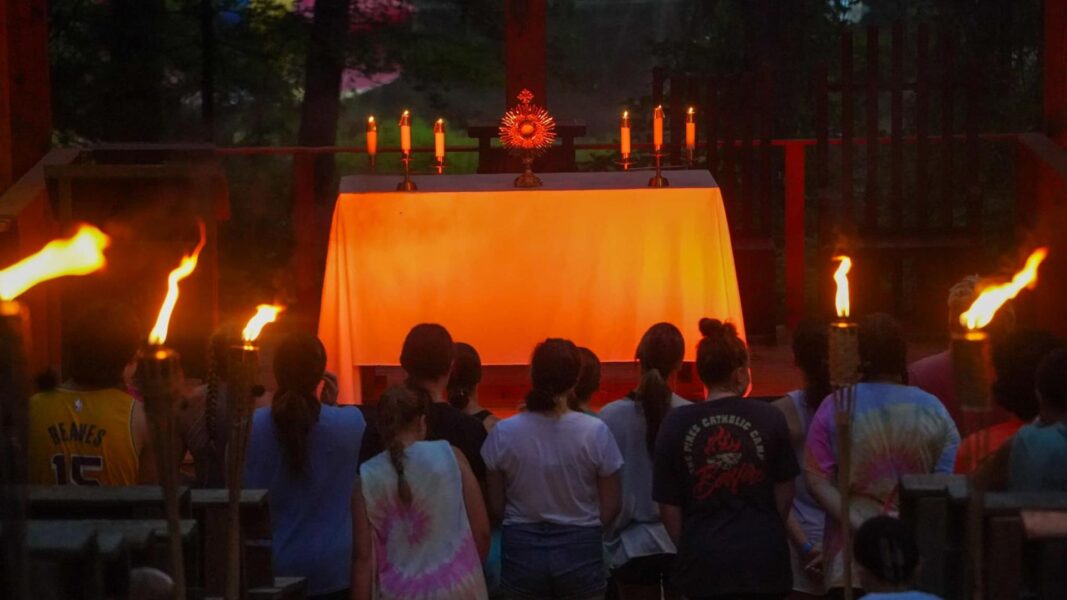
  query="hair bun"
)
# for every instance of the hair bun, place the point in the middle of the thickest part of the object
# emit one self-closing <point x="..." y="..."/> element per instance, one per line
<point x="717" y="328"/>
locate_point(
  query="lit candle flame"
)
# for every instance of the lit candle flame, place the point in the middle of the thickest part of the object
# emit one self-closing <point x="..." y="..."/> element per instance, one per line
<point x="265" y="313"/>
<point x="81" y="254"/>
<point x="990" y="300"/>
<point x="841" y="300"/>
<point x="184" y="269"/>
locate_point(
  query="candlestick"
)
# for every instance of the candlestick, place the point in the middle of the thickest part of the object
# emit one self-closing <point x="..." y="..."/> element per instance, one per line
<point x="657" y="129"/>
<point x="372" y="141"/>
<point x="439" y="144"/>
<point x="159" y="375"/>
<point x="405" y="133"/>
<point x="242" y="365"/>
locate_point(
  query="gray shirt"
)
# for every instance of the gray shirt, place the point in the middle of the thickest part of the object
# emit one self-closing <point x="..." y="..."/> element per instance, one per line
<point x="638" y="531"/>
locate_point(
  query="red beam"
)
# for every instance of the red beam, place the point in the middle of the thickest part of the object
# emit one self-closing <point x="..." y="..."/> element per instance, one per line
<point x="524" y="49"/>
<point x="794" y="234"/>
<point x="25" y="101"/>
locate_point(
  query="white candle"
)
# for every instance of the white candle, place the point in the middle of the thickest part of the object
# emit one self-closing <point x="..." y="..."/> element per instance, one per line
<point x="690" y="129"/>
<point x="372" y="136"/>
<point x="657" y="128"/>
<point x="405" y="133"/>
<point x="439" y="140"/>
<point x="624" y="134"/>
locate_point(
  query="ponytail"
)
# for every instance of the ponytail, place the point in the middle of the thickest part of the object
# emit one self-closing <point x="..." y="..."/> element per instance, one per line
<point x="299" y="364"/>
<point x="660" y="353"/>
<point x="294" y="414"/>
<point x="811" y="351"/>
<point x="654" y="396"/>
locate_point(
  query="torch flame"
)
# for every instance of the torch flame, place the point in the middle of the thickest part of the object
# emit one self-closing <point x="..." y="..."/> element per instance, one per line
<point x="78" y="255"/>
<point x="185" y="269"/>
<point x="265" y="313"/>
<point x="987" y="304"/>
<point x="841" y="300"/>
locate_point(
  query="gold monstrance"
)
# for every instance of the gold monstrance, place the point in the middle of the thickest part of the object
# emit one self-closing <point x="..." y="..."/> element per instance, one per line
<point x="527" y="130"/>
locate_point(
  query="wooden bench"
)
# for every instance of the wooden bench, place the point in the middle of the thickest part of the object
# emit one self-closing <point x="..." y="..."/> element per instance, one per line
<point x="92" y="558"/>
<point x="210" y="509"/>
<point x="935" y="508"/>
<point x="1023" y="557"/>
<point x="102" y="502"/>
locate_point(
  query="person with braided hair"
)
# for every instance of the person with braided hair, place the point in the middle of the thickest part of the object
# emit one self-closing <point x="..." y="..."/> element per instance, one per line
<point x="306" y="454"/>
<point x="421" y="523"/>
<point x="554" y="483"/>
<point x="640" y="550"/>
<point x="887" y="560"/>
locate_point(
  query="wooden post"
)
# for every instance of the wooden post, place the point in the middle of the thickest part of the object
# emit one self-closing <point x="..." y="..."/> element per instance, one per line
<point x="308" y="246"/>
<point x="870" y="193"/>
<point x="25" y="97"/>
<point x="524" y="49"/>
<point x="1055" y="70"/>
<point x="794" y="233"/>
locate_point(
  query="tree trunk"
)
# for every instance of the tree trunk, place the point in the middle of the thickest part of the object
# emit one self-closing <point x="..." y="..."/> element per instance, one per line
<point x="322" y="84"/>
<point x="135" y="110"/>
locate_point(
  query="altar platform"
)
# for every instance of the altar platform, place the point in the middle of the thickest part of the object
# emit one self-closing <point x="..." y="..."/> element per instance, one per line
<point x="594" y="257"/>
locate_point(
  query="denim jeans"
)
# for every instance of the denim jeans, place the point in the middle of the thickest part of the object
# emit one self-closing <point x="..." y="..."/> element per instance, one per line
<point x="545" y="560"/>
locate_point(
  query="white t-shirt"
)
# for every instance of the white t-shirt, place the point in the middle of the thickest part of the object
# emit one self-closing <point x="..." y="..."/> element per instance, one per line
<point x="551" y="465"/>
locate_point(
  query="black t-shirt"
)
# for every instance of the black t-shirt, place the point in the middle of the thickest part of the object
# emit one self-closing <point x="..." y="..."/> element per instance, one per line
<point x="719" y="461"/>
<point x="446" y="422"/>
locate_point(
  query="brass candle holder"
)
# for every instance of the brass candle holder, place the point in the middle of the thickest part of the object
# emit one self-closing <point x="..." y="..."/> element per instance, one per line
<point x="159" y="374"/>
<point x="241" y="369"/>
<point x="440" y="166"/>
<point x="658" y="180"/>
<point x="406" y="185"/>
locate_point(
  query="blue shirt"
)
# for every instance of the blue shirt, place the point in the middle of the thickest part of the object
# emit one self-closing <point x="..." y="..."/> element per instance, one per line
<point x="1038" y="454"/>
<point x="311" y="516"/>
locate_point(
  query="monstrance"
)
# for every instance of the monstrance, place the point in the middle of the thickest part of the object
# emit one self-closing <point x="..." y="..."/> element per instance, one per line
<point x="527" y="130"/>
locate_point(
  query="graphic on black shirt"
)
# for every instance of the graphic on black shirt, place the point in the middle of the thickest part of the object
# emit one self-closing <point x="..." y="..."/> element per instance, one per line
<point x="723" y="452"/>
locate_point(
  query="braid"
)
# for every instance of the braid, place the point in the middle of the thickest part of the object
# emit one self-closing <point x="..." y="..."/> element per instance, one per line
<point x="400" y="408"/>
<point x="396" y="456"/>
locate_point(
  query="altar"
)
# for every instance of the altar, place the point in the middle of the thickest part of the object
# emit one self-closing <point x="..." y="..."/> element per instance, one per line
<point x="593" y="257"/>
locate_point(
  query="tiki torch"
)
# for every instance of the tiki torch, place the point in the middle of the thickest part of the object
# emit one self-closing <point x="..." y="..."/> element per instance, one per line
<point x="159" y="374"/>
<point x="242" y="365"/>
<point x="844" y="373"/>
<point x="972" y="369"/>
<point x="81" y="254"/>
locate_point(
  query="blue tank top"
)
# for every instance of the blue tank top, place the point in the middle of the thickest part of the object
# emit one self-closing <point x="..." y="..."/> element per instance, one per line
<point x="311" y="516"/>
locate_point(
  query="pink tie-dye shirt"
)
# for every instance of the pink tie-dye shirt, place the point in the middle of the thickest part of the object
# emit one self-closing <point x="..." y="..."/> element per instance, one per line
<point x="896" y="430"/>
<point x="425" y="550"/>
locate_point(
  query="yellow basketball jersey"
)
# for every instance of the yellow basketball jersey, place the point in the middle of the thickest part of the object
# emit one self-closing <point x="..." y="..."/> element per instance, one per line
<point x="82" y="438"/>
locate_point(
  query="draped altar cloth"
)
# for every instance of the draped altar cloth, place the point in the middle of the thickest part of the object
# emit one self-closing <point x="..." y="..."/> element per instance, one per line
<point x="593" y="257"/>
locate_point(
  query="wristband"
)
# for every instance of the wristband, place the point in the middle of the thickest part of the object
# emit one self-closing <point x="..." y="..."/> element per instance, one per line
<point x="807" y="548"/>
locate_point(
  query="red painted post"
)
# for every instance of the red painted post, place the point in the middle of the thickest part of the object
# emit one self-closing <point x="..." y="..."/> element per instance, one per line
<point x="25" y="97"/>
<point x="307" y="244"/>
<point x="524" y="49"/>
<point x="794" y="233"/>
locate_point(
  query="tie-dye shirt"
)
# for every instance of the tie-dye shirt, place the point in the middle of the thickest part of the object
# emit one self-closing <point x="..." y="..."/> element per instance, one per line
<point x="425" y="550"/>
<point x="896" y="430"/>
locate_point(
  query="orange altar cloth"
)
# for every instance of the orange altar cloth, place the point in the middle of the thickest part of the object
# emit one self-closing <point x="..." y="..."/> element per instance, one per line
<point x="593" y="257"/>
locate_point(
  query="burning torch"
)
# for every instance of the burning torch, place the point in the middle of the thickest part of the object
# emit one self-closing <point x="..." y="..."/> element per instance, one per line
<point x="971" y="368"/>
<point x="159" y="373"/>
<point x="81" y="254"/>
<point x="242" y="365"/>
<point x="844" y="373"/>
